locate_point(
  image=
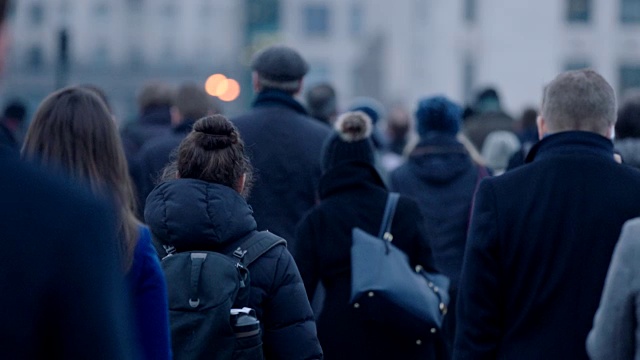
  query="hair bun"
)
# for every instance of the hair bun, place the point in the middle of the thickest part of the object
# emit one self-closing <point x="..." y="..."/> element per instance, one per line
<point x="354" y="126"/>
<point x="215" y="132"/>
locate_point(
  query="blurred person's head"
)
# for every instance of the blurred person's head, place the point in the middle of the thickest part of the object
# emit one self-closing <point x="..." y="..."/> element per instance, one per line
<point x="628" y="124"/>
<point x="498" y="148"/>
<point x="398" y="124"/>
<point x="487" y="100"/>
<point x="278" y="67"/>
<point x="73" y="131"/>
<point x="438" y="115"/>
<point x="350" y="141"/>
<point x="15" y="110"/>
<point x="322" y="103"/>
<point x="528" y="118"/>
<point x="155" y="94"/>
<point x="376" y="112"/>
<point x="191" y="103"/>
<point x="214" y="152"/>
<point x="578" y="100"/>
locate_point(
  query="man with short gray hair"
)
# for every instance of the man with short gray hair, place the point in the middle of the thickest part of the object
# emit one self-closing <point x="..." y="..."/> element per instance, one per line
<point x="541" y="236"/>
<point x="284" y="143"/>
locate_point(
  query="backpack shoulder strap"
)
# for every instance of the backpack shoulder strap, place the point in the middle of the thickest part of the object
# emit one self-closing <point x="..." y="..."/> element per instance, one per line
<point x="258" y="243"/>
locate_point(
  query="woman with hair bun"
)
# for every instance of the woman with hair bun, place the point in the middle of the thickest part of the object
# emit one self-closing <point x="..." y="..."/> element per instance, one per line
<point x="73" y="132"/>
<point x="201" y="206"/>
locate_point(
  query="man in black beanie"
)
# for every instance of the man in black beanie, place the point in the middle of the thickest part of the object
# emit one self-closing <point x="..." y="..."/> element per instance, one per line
<point x="283" y="141"/>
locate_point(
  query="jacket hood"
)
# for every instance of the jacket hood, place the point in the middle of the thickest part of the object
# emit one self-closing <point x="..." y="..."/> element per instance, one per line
<point x="193" y="214"/>
<point x="439" y="159"/>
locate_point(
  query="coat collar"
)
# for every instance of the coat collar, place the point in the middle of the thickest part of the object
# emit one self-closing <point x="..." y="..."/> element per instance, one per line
<point x="571" y="142"/>
<point x="273" y="97"/>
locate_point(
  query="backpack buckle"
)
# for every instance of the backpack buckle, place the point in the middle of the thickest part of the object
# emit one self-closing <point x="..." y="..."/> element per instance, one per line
<point x="239" y="253"/>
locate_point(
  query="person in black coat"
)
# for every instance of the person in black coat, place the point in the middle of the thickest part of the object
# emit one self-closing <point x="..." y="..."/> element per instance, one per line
<point x="542" y="235"/>
<point x="62" y="291"/>
<point x="201" y="207"/>
<point x="353" y="195"/>
<point x="442" y="178"/>
<point x="284" y="143"/>
<point x="191" y="103"/>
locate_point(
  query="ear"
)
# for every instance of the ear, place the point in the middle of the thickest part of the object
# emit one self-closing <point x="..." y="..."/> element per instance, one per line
<point x="611" y="132"/>
<point x="255" y="82"/>
<point x="542" y="127"/>
<point x="300" y="85"/>
<point x="240" y="183"/>
<point x="176" y="116"/>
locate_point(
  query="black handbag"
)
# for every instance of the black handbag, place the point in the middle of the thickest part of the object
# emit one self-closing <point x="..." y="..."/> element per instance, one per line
<point x="387" y="290"/>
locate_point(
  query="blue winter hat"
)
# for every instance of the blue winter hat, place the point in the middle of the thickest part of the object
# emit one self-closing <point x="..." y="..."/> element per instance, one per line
<point x="438" y="114"/>
<point x="369" y="106"/>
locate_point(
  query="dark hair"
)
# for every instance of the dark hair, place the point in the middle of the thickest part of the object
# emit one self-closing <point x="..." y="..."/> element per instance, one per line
<point x="73" y="131"/>
<point x="628" y="124"/>
<point x="214" y="152"/>
<point x="321" y="101"/>
<point x="155" y="93"/>
<point x="193" y="102"/>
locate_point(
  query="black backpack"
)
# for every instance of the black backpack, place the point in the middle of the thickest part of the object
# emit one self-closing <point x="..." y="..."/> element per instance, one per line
<point x="204" y="287"/>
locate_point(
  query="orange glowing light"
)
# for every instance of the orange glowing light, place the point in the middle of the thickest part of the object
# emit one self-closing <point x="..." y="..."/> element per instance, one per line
<point x="232" y="91"/>
<point x="215" y="83"/>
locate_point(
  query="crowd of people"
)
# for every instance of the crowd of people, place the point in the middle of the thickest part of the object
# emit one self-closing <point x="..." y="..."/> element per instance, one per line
<point x="532" y="220"/>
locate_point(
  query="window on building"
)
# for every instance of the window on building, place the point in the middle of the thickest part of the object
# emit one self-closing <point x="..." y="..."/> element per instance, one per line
<point x="470" y="11"/>
<point x="468" y="77"/>
<point x="35" y="57"/>
<point x="36" y="14"/>
<point x="101" y="9"/>
<point x="356" y="20"/>
<point x="135" y="5"/>
<point x="170" y="10"/>
<point x="576" y="65"/>
<point x="630" y="11"/>
<point x="579" y="11"/>
<point x="316" y="20"/>
<point x="629" y="77"/>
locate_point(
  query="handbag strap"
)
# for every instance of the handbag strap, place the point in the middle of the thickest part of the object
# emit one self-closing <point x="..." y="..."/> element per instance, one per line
<point x="387" y="218"/>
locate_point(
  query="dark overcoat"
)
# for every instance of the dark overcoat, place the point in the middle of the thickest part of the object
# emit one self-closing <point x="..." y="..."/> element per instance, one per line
<point x="353" y="195"/>
<point x="538" y="250"/>
<point x="284" y="145"/>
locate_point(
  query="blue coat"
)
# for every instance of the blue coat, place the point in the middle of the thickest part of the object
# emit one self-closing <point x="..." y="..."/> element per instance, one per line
<point x="538" y="250"/>
<point x="284" y="145"/>
<point x="192" y="214"/>
<point x="149" y="296"/>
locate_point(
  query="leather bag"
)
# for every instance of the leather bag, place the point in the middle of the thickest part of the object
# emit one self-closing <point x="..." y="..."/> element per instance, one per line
<point x="387" y="290"/>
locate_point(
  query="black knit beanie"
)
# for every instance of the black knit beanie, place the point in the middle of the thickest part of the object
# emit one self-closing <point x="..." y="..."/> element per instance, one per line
<point x="350" y="141"/>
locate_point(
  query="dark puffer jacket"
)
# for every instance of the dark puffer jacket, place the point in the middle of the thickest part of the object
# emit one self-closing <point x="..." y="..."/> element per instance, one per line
<point x="193" y="214"/>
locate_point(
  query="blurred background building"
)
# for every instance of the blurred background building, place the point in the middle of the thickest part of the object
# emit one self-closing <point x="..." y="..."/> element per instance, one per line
<point x="395" y="51"/>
